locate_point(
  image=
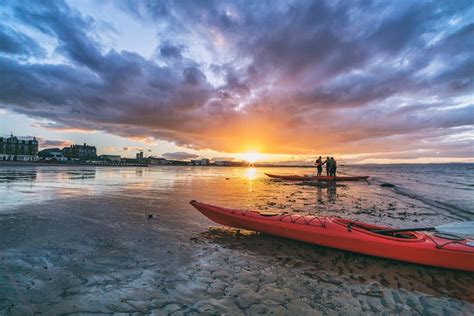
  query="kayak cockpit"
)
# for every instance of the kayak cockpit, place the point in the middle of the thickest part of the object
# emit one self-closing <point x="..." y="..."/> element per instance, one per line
<point x="370" y="229"/>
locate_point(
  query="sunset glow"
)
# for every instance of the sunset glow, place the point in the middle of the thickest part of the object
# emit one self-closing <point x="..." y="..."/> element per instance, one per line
<point x="244" y="80"/>
<point x="250" y="156"/>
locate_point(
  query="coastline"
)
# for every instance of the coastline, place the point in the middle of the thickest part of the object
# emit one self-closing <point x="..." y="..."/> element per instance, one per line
<point x="29" y="163"/>
<point x="42" y="164"/>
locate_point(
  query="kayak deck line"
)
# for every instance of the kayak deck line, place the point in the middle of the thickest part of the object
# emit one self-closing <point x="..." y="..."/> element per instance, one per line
<point x="281" y="216"/>
<point x="416" y="247"/>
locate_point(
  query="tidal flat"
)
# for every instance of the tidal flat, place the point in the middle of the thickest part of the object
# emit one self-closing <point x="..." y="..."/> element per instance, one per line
<point x="91" y="240"/>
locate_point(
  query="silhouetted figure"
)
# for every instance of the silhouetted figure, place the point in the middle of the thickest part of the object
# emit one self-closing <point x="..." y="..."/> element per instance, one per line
<point x="319" y="165"/>
<point x="328" y="164"/>
<point x="333" y="167"/>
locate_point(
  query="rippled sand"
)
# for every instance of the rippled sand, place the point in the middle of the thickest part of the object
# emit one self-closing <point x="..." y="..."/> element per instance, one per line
<point x="81" y="241"/>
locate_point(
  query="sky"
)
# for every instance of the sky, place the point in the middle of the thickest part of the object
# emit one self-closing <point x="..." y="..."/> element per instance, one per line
<point x="364" y="81"/>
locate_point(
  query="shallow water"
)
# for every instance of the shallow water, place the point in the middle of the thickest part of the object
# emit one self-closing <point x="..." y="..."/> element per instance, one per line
<point x="428" y="193"/>
<point x="447" y="186"/>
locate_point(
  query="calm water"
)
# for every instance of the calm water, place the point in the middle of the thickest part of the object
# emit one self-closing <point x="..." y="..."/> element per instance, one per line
<point x="428" y="193"/>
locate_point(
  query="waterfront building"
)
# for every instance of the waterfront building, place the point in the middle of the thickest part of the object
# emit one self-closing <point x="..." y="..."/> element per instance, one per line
<point x="80" y="152"/>
<point x="200" y="162"/>
<point x="114" y="158"/>
<point x="18" y="148"/>
<point x="158" y="161"/>
<point x="52" y="153"/>
<point x="140" y="155"/>
<point x="222" y="163"/>
<point x="179" y="163"/>
<point x="226" y="163"/>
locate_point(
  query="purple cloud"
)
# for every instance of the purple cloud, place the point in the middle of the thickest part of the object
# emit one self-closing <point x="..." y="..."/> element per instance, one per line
<point x="287" y="77"/>
<point x="48" y="143"/>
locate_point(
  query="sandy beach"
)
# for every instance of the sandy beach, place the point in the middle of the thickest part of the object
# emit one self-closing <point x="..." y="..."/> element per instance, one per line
<point x="96" y="241"/>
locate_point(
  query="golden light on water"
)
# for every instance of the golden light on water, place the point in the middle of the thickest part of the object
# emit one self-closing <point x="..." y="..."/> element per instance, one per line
<point x="250" y="173"/>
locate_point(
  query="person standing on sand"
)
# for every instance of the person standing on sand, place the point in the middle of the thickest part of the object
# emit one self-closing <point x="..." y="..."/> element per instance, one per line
<point x="319" y="165"/>
<point x="333" y="167"/>
<point x="328" y="166"/>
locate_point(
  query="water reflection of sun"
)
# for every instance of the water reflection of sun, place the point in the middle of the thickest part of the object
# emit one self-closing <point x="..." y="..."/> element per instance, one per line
<point x="250" y="173"/>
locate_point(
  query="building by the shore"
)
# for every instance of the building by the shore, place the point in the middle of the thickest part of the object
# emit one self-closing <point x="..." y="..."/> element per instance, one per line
<point x="52" y="154"/>
<point x="114" y="158"/>
<point x="158" y="161"/>
<point x="18" y="148"/>
<point x="81" y="152"/>
<point x="227" y="163"/>
<point x="200" y="162"/>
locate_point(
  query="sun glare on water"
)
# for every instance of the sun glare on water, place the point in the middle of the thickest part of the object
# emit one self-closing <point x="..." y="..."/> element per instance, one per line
<point x="250" y="173"/>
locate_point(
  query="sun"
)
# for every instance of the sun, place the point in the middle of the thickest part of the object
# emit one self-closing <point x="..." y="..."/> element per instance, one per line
<point x="250" y="156"/>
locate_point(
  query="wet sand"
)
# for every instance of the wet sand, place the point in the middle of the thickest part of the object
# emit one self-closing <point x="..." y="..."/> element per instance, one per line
<point x="92" y="252"/>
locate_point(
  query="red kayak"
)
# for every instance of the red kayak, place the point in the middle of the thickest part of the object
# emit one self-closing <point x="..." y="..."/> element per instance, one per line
<point x="319" y="178"/>
<point x="416" y="247"/>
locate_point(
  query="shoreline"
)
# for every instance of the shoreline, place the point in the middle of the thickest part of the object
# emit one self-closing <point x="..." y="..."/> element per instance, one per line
<point x="34" y="164"/>
<point x="31" y="163"/>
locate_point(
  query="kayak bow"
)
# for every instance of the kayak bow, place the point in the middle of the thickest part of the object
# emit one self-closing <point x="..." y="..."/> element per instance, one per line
<point x="415" y="247"/>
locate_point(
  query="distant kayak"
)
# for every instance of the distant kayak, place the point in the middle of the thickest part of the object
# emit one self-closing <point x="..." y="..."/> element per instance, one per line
<point x="319" y="178"/>
<point x="415" y="247"/>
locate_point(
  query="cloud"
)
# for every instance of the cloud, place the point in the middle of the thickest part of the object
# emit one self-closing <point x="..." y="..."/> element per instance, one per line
<point x="48" y="143"/>
<point x="287" y="77"/>
<point x="170" y="51"/>
<point x="18" y="44"/>
<point x="180" y="155"/>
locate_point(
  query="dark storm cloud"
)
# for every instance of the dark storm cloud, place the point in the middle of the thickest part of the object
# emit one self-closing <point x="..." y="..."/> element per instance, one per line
<point x="168" y="50"/>
<point x="293" y="71"/>
<point x="107" y="87"/>
<point x="15" y="43"/>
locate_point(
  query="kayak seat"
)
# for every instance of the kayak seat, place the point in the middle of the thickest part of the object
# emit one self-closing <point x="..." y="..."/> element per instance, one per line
<point x="270" y="213"/>
<point x="369" y="228"/>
